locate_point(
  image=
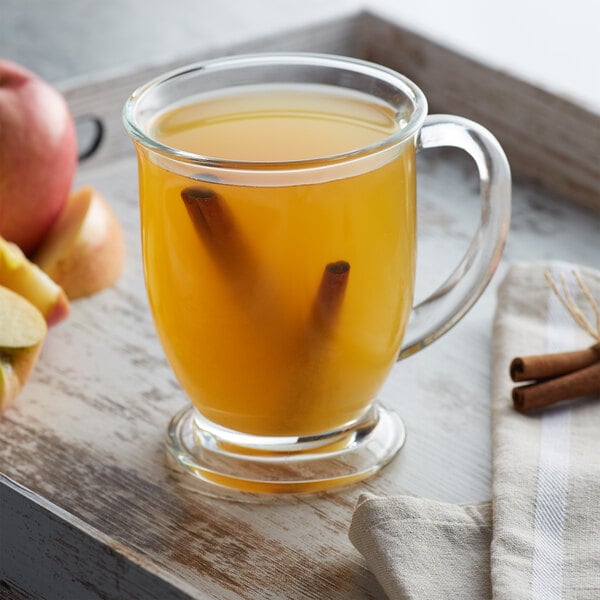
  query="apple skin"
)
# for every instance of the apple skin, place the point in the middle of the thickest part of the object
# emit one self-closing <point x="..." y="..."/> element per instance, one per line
<point x="22" y="332"/>
<point x="38" y="157"/>
<point x="84" y="252"/>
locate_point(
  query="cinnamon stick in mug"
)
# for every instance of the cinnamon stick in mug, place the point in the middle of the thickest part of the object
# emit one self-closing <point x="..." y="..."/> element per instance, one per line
<point x="314" y="341"/>
<point x="543" y="366"/>
<point x="216" y="226"/>
<point x="330" y="295"/>
<point x="583" y="382"/>
<point x="226" y="244"/>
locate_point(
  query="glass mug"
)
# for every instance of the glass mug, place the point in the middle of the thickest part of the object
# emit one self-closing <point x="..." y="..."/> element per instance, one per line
<point x="278" y="215"/>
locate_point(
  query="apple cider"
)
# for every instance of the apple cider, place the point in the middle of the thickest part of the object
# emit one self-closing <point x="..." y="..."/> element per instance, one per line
<point x="280" y="300"/>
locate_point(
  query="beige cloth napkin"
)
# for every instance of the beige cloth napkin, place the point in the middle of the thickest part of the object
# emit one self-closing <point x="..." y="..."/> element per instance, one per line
<point x="539" y="538"/>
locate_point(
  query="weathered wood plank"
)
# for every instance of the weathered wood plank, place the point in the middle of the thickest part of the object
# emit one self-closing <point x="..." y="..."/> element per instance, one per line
<point x="48" y="553"/>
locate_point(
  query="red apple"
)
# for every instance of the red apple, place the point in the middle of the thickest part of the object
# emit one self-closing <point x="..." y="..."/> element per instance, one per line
<point x="38" y="155"/>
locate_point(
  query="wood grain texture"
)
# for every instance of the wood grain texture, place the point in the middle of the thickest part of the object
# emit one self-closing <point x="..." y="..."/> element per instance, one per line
<point x="38" y="534"/>
<point x="87" y="433"/>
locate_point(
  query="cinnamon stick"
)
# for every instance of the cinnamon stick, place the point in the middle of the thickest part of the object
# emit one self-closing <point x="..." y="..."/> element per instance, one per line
<point x="314" y="347"/>
<point x="216" y="226"/>
<point x="543" y="366"/>
<point x="330" y="295"/>
<point x="583" y="382"/>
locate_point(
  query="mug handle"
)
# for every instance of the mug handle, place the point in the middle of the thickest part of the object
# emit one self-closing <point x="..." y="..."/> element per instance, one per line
<point x="440" y="311"/>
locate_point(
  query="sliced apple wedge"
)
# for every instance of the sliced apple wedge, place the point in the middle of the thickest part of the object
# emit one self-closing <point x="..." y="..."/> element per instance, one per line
<point x="84" y="251"/>
<point x="22" y="331"/>
<point x="27" y="279"/>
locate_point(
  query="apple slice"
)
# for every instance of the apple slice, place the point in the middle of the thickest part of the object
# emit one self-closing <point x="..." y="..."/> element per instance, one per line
<point x="27" y="279"/>
<point x="84" y="251"/>
<point x="22" y="331"/>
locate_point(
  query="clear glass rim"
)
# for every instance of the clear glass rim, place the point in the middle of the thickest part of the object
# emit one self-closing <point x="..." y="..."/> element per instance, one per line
<point x="409" y="88"/>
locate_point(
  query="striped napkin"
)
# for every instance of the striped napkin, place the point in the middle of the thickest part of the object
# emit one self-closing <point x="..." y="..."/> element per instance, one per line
<point x="539" y="536"/>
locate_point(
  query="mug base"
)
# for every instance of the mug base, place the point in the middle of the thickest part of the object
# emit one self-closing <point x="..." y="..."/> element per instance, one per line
<point x="223" y="461"/>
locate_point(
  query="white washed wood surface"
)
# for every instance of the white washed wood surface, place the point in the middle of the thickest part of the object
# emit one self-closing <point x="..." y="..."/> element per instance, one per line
<point x="102" y="511"/>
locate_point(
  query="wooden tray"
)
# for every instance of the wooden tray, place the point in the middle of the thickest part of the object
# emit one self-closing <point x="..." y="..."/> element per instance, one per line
<point x="89" y="507"/>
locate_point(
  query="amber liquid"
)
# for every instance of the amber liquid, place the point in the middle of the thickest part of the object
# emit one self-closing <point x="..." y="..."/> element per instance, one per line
<point x="238" y="325"/>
